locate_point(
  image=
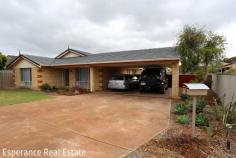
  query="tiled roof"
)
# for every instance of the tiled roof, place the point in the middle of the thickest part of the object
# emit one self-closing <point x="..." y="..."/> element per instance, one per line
<point x="40" y="60"/>
<point x="10" y="58"/>
<point x="144" y="54"/>
<point x="166" y="53"/>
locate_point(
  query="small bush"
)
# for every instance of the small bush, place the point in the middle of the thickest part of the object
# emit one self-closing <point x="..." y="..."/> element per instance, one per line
<point x="183" y="119"/>
<point x="184" y="97"/>
<point x="201" y="120"/>
<point x="180" y="109"/>
<point x="66" y="88"/>
<point x="45" y="87"/>
<point x="54" y="88"/>
<point x="190" y="106"/>
<point x="200" y="105"/>
<point x="76" y="88"/>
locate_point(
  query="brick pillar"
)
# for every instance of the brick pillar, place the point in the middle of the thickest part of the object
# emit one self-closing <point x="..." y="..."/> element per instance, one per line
<point x="35" y="83"/>
<point x="17" y="77"/>
<point x="175" y="81"/>
<point x="39" y="77"/>
<point x="72" y="79"/>
<point x="100" y="79"/>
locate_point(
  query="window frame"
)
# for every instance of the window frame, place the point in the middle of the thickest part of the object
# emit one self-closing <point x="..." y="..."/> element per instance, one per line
<point x="26" y="81"/>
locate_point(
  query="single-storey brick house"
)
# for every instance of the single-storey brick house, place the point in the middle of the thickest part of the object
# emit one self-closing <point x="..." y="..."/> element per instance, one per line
<point x="90" y="71"/>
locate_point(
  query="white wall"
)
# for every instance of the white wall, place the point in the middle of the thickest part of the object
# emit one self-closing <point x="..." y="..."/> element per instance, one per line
<point x="224" y="85"/>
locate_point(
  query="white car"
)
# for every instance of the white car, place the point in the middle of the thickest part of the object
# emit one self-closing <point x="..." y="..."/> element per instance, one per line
<point x="123" y="82"/>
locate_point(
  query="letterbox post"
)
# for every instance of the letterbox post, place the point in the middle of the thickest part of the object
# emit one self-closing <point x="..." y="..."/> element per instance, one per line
<point x="194" y="115"/>
<point x="195" y="90"/>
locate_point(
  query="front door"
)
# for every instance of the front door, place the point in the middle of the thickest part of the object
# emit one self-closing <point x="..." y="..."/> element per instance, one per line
<point x="66" y="77"/>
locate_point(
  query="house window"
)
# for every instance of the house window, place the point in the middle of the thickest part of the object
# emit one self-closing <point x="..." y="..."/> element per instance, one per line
<point x="82" y="78"/>
<point x="26" y="77"/>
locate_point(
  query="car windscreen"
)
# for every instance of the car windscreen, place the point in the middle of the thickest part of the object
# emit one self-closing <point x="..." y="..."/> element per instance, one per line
<point x="117" y="77"/>
<point x="152" y="72"/>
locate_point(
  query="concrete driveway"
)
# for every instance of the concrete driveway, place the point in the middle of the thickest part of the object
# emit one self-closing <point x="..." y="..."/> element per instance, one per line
<point x="101" y="124"/>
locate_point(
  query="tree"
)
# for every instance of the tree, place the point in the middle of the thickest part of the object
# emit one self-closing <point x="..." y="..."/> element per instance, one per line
<point x="3" y="61"/>
<point x="212" y="52"/>
<point x="199" y="49"/>
<point x="189" y="47"/>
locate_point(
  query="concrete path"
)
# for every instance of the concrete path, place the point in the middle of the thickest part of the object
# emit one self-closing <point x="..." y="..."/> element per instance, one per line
<point x="102" y="125"/>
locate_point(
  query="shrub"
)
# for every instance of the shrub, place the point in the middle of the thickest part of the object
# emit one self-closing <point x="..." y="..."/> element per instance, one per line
<point x="54" y="88"/>
<point x="200" y="73"/>
<point x="45" y="87"/>
<point x="180" y="109"/>
<point x="184" y="97"/>
<point x="66" y="88"/>
<point x="200" y="105"/>
<point x="76" y="88"/>
<point x="63" y="90"/>
<point x="183" y="119"/>
<point x="227" y="111"/>
<point x="231" y="71"/>
<point x="201" y="120"/>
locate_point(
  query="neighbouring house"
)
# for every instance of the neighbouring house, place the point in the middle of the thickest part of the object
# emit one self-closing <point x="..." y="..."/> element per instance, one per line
<point x="227" y="66"/>
<point x="90" y="71"/>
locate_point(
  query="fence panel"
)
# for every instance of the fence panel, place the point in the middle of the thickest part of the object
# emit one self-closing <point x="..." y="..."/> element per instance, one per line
<point x="224" y="85"/>
<point x="186" y="78"/>
<point x="6" y="79"/>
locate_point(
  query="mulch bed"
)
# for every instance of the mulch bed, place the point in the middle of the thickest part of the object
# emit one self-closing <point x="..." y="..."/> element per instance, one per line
<point x="176" y="142"/>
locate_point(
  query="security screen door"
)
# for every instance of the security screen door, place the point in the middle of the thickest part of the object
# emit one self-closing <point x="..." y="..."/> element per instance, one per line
<point x="82" y="78"/>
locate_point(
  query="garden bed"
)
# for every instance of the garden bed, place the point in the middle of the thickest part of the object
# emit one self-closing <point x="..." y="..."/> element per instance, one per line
<point x="66" y="90"/>
<point x="176" y="141"/>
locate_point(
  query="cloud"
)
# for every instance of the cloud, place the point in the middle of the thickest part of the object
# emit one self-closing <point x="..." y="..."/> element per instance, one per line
<point x="48" y="27"/>
<point x="230" y="32"/>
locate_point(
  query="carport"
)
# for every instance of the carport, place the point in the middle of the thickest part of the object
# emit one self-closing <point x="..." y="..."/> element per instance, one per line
<point x="100" y="73"/>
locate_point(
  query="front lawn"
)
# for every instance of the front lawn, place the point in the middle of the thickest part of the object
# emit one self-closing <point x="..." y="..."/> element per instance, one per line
<point x="16" y="96"/>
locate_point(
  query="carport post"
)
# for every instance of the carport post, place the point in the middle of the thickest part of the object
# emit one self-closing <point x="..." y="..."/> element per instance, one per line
<point x="91" y="78"/>
<point x="175" y="81"/>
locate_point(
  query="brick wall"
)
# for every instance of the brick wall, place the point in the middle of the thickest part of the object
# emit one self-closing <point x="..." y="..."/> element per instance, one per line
<point x="52" y="76"/>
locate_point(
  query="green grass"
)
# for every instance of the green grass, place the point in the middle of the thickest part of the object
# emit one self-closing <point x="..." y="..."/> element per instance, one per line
<point x="16" y="96"/>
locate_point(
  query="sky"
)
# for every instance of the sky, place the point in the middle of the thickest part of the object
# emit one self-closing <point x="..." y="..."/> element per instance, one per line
<point x="48" y="27"/>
